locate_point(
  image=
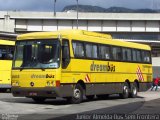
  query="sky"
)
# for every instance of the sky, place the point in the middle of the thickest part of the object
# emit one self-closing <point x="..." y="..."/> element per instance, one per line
<point x="48" y="5"/>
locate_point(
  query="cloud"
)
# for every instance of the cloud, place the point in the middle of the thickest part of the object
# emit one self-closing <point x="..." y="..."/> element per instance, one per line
<point x="48" y="5"/>
<point x="26" y="5"/>
<point x="122" y="3"/>
<point x="133" y="4"/>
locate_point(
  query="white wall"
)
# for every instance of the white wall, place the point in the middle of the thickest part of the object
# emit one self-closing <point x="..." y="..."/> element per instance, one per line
<point x="156" y="61"/>
<point x="34" y="25"/>
<point x="64" y="24"/>
<point x="138" y="26"/>
<point x="152" y="26"/>
<point x="91" y="25"/>
<point x="50" y="25"/>
<point x="82" y="24"/>
<point x="124" y="26"/>
<point x="94" y="25"/>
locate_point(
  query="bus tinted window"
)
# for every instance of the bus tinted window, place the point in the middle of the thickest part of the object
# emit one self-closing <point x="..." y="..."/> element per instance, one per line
<point x="138" y="54"/>
<point x="91" y="50"/>
<point x="126" y="54"/>
<point x="37" y="54"/>
<point x="134" y="56"/>
<point x="116" y="53"/>
<point x="6" y="52"/>
<point x="104" y="52"/>
<point x="88" y="50"/>
<point x="78" y="49"/>
<point x="146" y="57"/>
<point x="65" y="53"/>
<point x="20" y="55"/>
<point x="94" y="51"/>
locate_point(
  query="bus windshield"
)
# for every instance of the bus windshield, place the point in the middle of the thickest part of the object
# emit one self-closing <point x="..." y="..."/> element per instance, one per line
<point x="6" y="52"/>
<point x="40" y="54"/>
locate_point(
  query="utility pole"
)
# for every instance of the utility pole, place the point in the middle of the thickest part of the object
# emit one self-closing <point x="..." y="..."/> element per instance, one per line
<point x="77" y="14"/>
<point x="54" y="7"/>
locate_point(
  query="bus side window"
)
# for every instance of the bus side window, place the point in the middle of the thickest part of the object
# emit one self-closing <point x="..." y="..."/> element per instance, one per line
<point x="78" y="49"/>
<point x="6" y="52"/>
<point x="138" y="54"/>
<point x="146" y="57"/>
<point x="0" y="54"/>
<point x="104" y="52"/>
<point x="134" y="56"/>
<point x="116" y="53"/>
<point x="65" y="53"/>
<point x="126" y="54"/>
<point x="10" y="52"/>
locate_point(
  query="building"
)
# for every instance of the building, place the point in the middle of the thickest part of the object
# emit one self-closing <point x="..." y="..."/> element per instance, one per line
<point x="136" y="27"/>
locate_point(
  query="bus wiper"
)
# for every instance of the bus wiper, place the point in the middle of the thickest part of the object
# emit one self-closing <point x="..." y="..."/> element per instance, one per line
<point x="43" y="69"/>
<point x="21" y="69"/>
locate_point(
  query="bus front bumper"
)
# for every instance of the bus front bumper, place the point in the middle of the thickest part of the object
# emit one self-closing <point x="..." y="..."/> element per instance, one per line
<point x="5" y="86"/>
<point x="35" y="92"/>
<point x="48" y="92"/>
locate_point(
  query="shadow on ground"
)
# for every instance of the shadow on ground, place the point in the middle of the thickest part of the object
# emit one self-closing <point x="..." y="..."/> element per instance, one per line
<point x="58" y="101"/>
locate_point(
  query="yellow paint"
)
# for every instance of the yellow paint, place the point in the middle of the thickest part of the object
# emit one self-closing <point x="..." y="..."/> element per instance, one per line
<point x="78" y="69"/>
<point x="5" y="65"/>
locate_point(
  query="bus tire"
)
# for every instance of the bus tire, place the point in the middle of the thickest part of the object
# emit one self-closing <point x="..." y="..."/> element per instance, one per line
<point x="38" y="99"/>
<point x="2" y="90"/>
<point x="90" y="97"/>
<point x="125" y="93"/>
<point x="77" y="95"/>
<point x="134" y="90"/>
<point x="8" y="90"/>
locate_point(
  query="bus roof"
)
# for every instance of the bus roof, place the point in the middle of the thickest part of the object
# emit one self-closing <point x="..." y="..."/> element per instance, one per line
<point x="81" y="35"/>
<point x="7" y="42"/>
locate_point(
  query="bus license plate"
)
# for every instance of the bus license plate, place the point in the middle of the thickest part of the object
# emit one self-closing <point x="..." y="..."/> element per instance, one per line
<point x="32" y="94"/>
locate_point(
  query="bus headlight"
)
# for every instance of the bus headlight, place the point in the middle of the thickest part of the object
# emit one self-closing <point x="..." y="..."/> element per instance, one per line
<point x="15" y="83"/>
<point x="50" y="83"/>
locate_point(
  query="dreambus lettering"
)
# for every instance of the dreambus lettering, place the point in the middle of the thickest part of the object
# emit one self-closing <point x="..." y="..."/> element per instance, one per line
<point x="101" y="67"/>
<point x="38" y="76"/>
<point x="42" y="76"/>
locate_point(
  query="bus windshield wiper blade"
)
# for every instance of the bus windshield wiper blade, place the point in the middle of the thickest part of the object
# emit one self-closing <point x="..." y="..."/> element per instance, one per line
<point x="21" y="69"/>
<point x="43" y="69"/>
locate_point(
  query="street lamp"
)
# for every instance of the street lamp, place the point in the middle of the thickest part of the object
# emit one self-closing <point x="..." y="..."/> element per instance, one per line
<point x="54" y="7"/>
<point x="77" y="13"/>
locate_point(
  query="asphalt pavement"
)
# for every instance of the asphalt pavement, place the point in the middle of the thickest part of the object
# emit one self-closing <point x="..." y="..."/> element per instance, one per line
<point x="146" y="107"/>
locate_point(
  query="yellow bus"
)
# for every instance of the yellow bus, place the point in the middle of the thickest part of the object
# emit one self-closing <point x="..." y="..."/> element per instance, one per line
<point x="77" y="63"/>
<point x="6" y="56"/>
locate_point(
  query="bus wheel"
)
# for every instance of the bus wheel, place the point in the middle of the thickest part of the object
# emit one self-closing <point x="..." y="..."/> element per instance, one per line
<point x="77" y="95"/>
<point x="125" y="93"/>
<point x="134" y="90"/>
<point x="8" y="90"/>
<point x="3" y="90"/>
<point x="90" y="97"/>
<point x="39" y="99"/>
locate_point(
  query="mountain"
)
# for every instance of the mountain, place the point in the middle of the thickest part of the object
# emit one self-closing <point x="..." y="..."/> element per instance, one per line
<point x="89" y="8"/>
<point x="119" y="10"/>
<point x="84" y="8"/>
